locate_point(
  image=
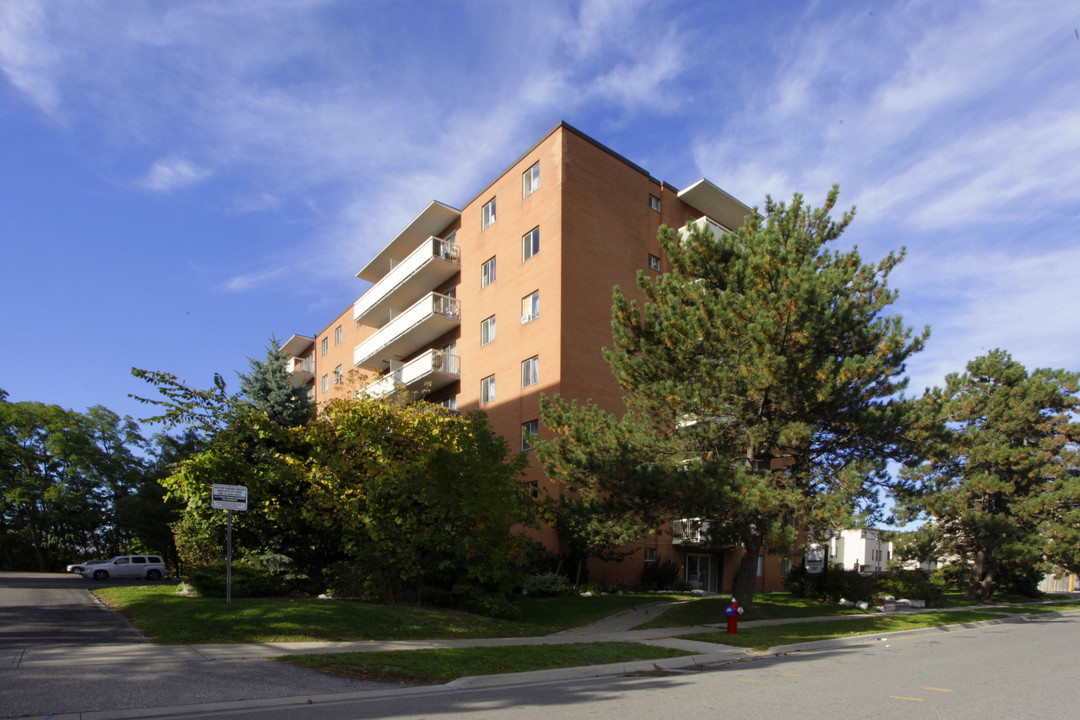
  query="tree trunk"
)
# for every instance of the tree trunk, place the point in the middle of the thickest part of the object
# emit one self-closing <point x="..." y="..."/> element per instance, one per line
<point x="982" y="582"/>
<point x="746" y="575"/>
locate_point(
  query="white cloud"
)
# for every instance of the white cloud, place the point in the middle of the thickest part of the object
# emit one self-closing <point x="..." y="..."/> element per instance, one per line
<point x="28" y="60"/>
<point x="169" y="174"/>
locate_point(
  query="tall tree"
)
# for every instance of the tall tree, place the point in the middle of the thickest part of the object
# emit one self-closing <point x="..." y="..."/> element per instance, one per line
<point x="1000" y="475"/>
<point x="766" y="371"/>
<point x="268" y="388"/>
<point x="63" y="476"/>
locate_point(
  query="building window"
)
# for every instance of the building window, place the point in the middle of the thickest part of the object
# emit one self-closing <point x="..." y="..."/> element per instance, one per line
<point x="489" y="214"/>
<point x="325" y="383"/>
<point x="487" y="273"/>
<point x="654" y="203"/>
<point x="760" y="565"/>
<point x="449" y="403"/>
<point x="487" y="390"/>
<point x="487" y="331"/>
<point x="337" y="375"/>
<point x="337" y="335"/>
<point x="530" y="371"/>
<point x="530" y="307"/>
<point x="785" y="566"/>
<point x="650" y="555"/>
<point x="530" y="180"/>
<point x="324" y="345"/>
<point x="529" y="430"/>
<point x="530" y="244"/>
<point x="654" y="262"/>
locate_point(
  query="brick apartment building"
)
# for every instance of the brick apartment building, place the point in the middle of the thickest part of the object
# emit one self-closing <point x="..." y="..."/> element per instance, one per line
<point x="488" y="306"/>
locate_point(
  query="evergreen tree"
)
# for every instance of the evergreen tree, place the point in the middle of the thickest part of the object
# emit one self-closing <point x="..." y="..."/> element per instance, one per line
<point x="1000" y="475"/>
<point x="763" y="372"/>
<point x="268" y="388"/>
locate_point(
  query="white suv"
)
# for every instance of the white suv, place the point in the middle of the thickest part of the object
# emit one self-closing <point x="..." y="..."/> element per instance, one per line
<point x="150" y="567"/>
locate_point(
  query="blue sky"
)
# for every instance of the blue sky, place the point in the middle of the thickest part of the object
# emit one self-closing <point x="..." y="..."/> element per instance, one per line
<point x="180" y="181"/>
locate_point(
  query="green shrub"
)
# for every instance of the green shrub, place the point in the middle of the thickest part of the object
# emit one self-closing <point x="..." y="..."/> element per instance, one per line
<point x="910" y="584"/>
<point x="247" y="581"/>
<point x="547" y="584"/>
<point x="846" y="584"/>
<point x="664" y="575"/>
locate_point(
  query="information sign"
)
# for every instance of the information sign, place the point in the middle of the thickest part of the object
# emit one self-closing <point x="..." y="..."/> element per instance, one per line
<point x="815" y="558"/>
<point x="228" y="497"/>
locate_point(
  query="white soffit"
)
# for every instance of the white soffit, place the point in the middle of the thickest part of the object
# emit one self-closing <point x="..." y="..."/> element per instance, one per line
<point x="296" y="345"/>
<point x="717" y="204"/>
<point x="431" y="221"/>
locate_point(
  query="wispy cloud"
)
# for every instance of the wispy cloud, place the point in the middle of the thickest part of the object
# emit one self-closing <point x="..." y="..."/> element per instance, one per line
<point x="169" y="174"/>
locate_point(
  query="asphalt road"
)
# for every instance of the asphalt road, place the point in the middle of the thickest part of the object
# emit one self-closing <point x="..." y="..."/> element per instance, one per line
<point x="58" y="609"/>
<point x="1021" y="670"/>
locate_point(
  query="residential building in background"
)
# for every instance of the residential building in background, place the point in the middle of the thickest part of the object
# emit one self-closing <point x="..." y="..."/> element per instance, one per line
<point x="867" y="550"/>
<point x="489" y="306"/>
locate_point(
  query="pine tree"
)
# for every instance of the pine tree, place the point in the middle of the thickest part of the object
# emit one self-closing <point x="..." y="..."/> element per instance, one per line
<point x="268" y="388"/>
<point x="764" y="374"/>
<point x="1000" y="474"/>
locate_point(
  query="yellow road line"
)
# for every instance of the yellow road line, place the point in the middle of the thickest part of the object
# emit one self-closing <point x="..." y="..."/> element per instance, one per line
<point x="749" y="680"/>
<point x="791" y="675"/>
<point x="898" y="697"/>
<point x="938" y="689"/>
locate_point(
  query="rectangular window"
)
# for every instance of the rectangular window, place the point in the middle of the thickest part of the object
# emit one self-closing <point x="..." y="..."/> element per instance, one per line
<point x="530" y="371"/>
<point x="324" y="345"/>
<point x="487" y="390"/>
<point x="530" y="180"/>
<point x="530" y="307"/>
<point x="489" y="214"/>
<point x="337" y="375"/>
<point x="325" y="383"/>
<point x="337" y="335"/>
<point x="487" y="331"/>
<point x="654" y="203"/>
<point x="449" y="403"/>
<point x="529" y="431"/>
<point x="530" y="244"/>
<point x="650" y="555"/>
<point x="487" y="273"/>
<point x="760" y="565"/>
<point x="654" y="262"/>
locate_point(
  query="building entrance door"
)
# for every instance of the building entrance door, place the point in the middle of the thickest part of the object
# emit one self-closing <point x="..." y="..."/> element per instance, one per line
<point x="702" y="570"/>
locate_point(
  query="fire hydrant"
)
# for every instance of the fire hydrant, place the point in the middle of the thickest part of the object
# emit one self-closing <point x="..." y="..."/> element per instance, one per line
<point x="733" y="611"/>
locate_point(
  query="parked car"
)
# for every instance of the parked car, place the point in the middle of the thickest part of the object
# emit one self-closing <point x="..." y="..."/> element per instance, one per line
<point x="150" y="567"/>
<point x="80" y="566"/>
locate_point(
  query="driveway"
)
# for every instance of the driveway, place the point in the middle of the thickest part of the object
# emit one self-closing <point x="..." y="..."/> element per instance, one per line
<point x="58" y="609"/>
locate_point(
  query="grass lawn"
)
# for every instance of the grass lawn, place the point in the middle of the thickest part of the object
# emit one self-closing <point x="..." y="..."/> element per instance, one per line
<point x="171" y="619"/>
<point x="444" y="665"/>
<point x="764" y="637"/>
<point x="767" y="606"/>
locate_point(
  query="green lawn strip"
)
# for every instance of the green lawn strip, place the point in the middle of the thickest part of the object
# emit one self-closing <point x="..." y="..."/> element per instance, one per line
<point x="443" y="665"/>
<point x="767" y="606"/>
<point x="1036" y="609"/>
<point x="171" y="619"/>
<point x="764" y="637"/>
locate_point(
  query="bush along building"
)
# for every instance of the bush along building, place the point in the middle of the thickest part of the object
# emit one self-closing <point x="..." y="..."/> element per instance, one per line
<point x="510" y="297"/>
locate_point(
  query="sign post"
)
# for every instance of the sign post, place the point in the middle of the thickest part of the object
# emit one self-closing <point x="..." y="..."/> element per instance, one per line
<point x="228" y="498"/>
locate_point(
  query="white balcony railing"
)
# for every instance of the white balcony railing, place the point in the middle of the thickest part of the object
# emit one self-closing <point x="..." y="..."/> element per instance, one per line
<point x="301" y="365"/>
<point x="703" y="222"/>
<point x="690" y="531"/>
<point x="431" y="371"/>
<point x="433" y="262"/>
<point x="428" y="318"/>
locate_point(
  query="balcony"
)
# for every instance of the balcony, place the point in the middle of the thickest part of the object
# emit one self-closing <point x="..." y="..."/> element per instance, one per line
<point x="433" y="262"/>
<point x="690" y="531"/>
<point x="703" y="222"/>
<point x="429" y="318"/>
<point x="301" y="370"/>
<point x="431" y="371"/>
